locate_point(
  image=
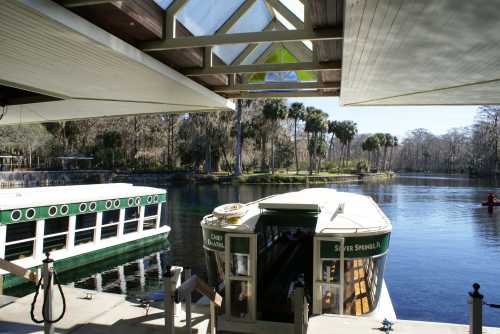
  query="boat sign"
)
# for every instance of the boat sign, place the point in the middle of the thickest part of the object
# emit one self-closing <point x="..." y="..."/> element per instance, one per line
<point x="214" y="239"/>
<point x="355" y="247"/>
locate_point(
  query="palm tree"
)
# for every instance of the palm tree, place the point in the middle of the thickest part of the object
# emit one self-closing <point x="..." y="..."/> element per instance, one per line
<point x="316" y="126"/>
<point x="371" y="144"/>
<point x="296" y="112"/>
<point x="381" y="141"/>
<point x="274" y="110"/>
<point x="395" y="143"/>
<point x="350" y="131"/>
<point x="332" y="129"/>
<point x="389" y="141"/>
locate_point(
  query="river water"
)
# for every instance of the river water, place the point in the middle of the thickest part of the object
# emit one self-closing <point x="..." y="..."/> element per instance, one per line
<point x="442" y="242"/>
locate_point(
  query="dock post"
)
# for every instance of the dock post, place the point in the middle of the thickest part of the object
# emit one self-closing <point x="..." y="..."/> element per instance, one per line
<point x="169" y="301"/>
<point x="48" y="284"/>
<point x="213" y="326"/>
<point x="187" y="275"/>
<point x="298" y="311"/>
<point x="475" y="310"/>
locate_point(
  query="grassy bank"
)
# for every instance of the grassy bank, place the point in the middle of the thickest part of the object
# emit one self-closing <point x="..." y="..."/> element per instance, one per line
<point x="280" y="178"/>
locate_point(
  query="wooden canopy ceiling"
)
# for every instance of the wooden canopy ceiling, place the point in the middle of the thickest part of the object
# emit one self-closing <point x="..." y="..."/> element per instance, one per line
<point x="145" y="25"/>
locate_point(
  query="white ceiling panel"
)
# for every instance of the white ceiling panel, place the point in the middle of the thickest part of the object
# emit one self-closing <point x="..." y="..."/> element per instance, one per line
<point x="421" y="52"/>
<point x="47" y="48"/>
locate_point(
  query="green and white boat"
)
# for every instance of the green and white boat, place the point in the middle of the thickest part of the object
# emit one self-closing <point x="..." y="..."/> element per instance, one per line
<point x="77" y="224"/>
<point x="333" y="243"/>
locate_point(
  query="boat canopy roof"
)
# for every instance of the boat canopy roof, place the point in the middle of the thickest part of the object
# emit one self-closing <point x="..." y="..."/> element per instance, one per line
<point x="43" y="196"/>
<point x="336" y="212"/>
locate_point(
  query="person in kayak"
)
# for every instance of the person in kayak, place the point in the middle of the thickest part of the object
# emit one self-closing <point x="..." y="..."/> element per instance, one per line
<point x="492" y="198"/>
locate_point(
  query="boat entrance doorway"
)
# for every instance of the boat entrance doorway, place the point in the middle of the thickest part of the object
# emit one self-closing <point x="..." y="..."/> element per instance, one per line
<point x="285" y="249"/>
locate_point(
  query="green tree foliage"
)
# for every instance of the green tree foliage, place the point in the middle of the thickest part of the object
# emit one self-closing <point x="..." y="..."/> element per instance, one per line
<point x="316" y="127"/>
<point x="273" y="111"/>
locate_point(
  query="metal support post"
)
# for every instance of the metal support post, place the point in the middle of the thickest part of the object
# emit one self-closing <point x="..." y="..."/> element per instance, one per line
<point x="475" y="310"/>
<point x="48" y="284"/>
<point x="298" y="312"/>
<point x="169" y="302"/>
<point x="187" y="275"/>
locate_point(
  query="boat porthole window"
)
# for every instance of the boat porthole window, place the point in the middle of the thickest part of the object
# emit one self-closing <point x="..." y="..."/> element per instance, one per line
<point x="117" y="203"/>
<point x="137" y="201"/>
<point x="130" y="202"/>
<point x="64" y="210"/>
<point x="150" y="199"/>
<point x="52" y="211"/>
<point x="109" y="204"/>
<point x="30" y="213"/>
<point x="15" y="215"/>
<point x="83" y="207"/>
<point x="155" y="198"/>
<point x="93" y="206"/>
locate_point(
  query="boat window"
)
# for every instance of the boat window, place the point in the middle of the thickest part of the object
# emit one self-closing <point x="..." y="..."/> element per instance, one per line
<point x="215" y="267"/>
<point x="20" y="240"/>
<point x="110" y="221"/>
<point x="109" y="231"/>
<point x="85" y="228"/>
<point x="131" y="220"/>
<point x="151" y="210"/>
<point x="110" y="217"/>
<point x="132" y="213"/>
<point x="330" y="295"/>
<point x="331" y="271"/>
<point x="362" y="284"/>
<point x="149" y="223"/>
<point x="86" y="220"/>
<point x="240" y="291"/>
<point x="240" y="264"/>
<point x="130" y="227"/>
<point x="56" y="234"/>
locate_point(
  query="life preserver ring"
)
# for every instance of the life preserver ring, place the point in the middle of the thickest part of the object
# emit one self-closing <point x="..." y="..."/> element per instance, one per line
<point x="231" y="211"/>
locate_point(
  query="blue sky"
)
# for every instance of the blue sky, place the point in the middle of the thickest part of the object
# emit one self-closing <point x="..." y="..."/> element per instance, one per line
<point x="396" y="120"/>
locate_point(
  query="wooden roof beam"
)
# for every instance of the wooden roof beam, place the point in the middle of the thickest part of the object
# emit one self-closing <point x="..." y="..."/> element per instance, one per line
<point x="250" y="47"/>
<point x="82" y="3"/>
<point x="243" y="38"/>
<point x="256" y="68"/>
<point x="170" y="23"/>
<point x="277" y="86"/>
<point x="256" y="95"/>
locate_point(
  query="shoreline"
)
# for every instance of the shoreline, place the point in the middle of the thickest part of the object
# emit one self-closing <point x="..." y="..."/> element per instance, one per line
<point x="278" y="178"/>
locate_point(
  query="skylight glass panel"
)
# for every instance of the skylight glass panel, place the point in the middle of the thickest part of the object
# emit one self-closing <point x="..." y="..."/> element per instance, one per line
<point x="163" y="3"/>
<point x="283" y="20"/>
<point x="257" y="18"/>
<point x="256" y="53"/>
<point x="204" y="17"/>
<point x="295" y="6"/>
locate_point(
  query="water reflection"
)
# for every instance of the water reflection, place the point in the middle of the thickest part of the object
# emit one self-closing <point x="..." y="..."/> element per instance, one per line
<point x="442" y="242"/>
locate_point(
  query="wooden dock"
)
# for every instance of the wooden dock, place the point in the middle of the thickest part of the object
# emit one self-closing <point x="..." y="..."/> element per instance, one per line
<point x="105" y="313"/>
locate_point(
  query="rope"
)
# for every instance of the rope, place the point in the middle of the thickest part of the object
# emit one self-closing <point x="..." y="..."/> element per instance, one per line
<point x="492" y="305"/>
<point x="45" y="317"/>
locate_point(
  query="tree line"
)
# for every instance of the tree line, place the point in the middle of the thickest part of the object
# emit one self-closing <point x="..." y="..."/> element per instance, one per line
<point x="267" y="135"/>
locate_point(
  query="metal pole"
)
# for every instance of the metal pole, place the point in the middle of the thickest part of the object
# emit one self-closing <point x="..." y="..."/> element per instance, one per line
<point x="48" y="284"/>
<point x="187" y="271"/>
<point x="169" y="302"/>
<point x="475" y="310"/>
<point x="298" y="314"/>
<point x="213" y="326"/>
